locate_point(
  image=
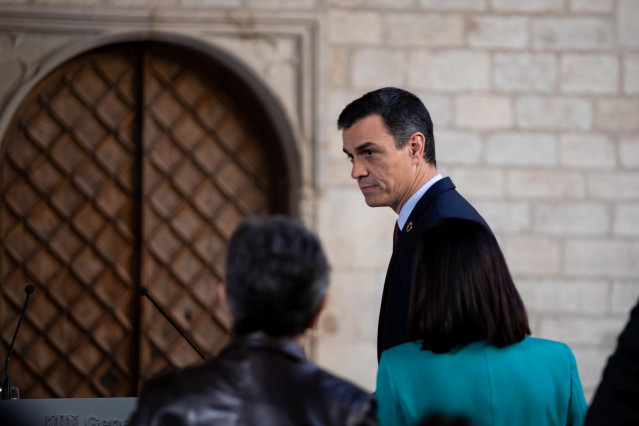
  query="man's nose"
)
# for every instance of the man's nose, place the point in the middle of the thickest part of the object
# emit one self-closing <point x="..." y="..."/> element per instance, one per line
<point x="358" y="170"/>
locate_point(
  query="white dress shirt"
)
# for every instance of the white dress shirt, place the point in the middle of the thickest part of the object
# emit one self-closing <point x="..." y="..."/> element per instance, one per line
<point x="407" y="208"/>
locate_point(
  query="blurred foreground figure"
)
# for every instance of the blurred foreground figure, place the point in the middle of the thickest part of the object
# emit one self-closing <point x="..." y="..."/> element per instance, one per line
<point x="470" y="355"/>
<point x="276" y="284"/>
<point x="616" y="400"/>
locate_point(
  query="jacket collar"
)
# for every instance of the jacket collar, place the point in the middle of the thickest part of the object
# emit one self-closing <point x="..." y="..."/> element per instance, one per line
<point x="261" y="341"/>
<point x="407" y="209"/>
<point x="437" y="188"/>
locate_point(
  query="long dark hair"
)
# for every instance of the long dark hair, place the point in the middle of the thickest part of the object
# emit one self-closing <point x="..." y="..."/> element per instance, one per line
<point x="462" y="290"/>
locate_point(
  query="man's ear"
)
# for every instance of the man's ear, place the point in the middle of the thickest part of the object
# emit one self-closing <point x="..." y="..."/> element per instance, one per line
<point x="416" y="145"/>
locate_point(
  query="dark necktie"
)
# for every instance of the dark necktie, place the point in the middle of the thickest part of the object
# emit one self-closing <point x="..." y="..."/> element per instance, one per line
<point x="395" y="235"/>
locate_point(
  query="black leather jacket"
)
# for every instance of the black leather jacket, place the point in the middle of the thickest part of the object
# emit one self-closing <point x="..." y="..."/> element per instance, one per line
<point x="256" y="380"/>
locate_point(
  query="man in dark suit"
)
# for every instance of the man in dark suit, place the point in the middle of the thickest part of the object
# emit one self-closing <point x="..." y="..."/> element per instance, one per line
<point x="388" y="136"/>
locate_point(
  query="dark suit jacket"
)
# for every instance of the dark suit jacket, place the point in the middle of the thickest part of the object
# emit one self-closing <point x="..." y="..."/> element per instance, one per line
<point x="440" y="201"/>
<point x="256" y="380"/>
<point x="616" y="400"/>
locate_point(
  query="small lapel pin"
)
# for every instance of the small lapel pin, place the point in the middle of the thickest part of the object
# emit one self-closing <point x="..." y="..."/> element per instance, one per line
<point x="409" y="227"/>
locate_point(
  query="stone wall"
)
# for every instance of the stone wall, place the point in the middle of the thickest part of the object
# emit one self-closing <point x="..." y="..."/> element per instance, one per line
<point x="536" y="112"/>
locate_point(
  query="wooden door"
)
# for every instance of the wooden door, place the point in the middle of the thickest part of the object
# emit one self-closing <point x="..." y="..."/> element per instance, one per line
<point x="127" y="166"/>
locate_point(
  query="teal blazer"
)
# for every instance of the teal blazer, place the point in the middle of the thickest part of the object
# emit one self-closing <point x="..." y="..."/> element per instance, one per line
<point x="533" y="382"/>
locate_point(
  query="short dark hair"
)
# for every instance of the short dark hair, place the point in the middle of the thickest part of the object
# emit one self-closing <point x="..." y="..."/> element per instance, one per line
<point x="462" y="290"/>
<point x="276" y="276"/>
<point x="403" y="114"/>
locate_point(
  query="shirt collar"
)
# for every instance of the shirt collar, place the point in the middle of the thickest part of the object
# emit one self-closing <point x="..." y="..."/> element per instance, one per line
<point x="407" y="208"/>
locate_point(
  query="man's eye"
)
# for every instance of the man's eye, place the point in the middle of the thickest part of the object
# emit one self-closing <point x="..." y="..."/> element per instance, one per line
<point x="369" y="152"/>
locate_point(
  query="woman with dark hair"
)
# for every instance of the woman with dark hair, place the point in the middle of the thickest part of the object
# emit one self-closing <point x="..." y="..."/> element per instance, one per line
<point x="470" y="355"/>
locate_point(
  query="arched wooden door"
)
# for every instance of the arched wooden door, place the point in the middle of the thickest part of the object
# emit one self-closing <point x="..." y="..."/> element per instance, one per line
<point x="130" y="165"/>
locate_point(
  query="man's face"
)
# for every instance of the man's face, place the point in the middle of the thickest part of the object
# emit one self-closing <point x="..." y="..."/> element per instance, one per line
<point x="383" y="172"/>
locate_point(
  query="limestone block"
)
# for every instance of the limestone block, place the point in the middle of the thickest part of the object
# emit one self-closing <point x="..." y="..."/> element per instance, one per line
<point x="627" y="220"/>
<point x="334" y="101"/>
<point x="550" y="296"/>
<point x="483" y="111"/>
<point x="389" y="4"/>
<point x="580" y="33"/>
<point x="505" y="217"/>
<point x="535" y="112"/>
<point x="346" y="3"/>
<point x="631" y="74"/>
<point x="7" y="43"/>
<point x="281" y="4"/>
<point x="32" y="48"/>
<point x="533" y="320"/>
<point x="354" y="360"/>
<point x="354" y="235"/>
<point x="587" y="150"/>
<point x="571" y="219"/>
<point x="440" y="108"/>
<point x="497" y="31"/>
<point x="521" y="149"/>
<point x="227" y="3"/>
<point x="627" y="18"/>
<point x="354" y="27"/>
<point x="625" y="295"/>
<point x="334" y="169"/>
<point x="69" y="2"/>
<point x="580" y="330"/>
<point x="613" y="186"/>
<point x="456" y="147"/>
<point x="374" y="68"/>
<point x="474" y="5"/>
<point x="424" y="30"/>
<point x="617" y="114"/>
<point x="476" y="182"/>
<point x="525" y="72"/>
<point x="602" y="258"/>
<point x="532" y="255"/>
<point x="354" y="299"/>
<point x="449" y="70"/>
<point x="11" y="71"/>
<point x="275" y="60"/>
<point x="545" y="184"/>
<point x="629" y="151"/>
<point x="339" y="65"/>
<point x="592" y="6"/>
<point x="589" y="73"/>
<point x="528" y="6"/>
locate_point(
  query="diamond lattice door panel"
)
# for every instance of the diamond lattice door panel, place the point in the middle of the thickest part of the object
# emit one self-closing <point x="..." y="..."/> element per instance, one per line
<point x="204" y="172"/>
<point x="128" y="166"/>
